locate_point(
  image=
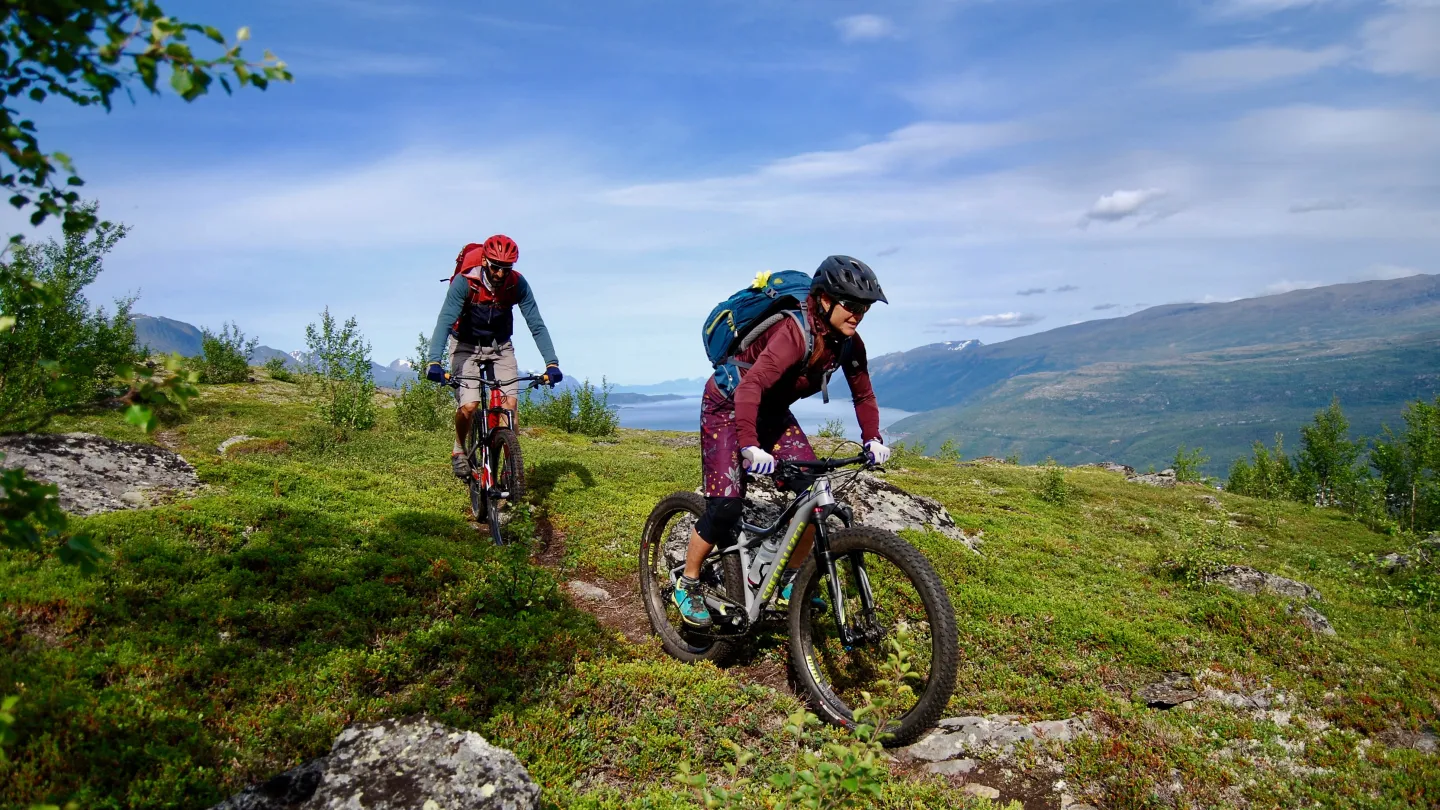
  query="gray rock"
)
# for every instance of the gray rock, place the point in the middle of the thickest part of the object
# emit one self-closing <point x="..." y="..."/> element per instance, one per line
<point x="587" y="592"/>
<point x="1164" y="478"/>
<point x="1175" y="690"/>
<point x="1313" y="619"/>
<point x="1394" y="563"/>
<point x="96" y="474"/>
<point x="1426" y="742"/>
<point x="230" y="442"/>
<point x="394" y="764"/>
<point x="954" y="767"/>
<point x="988" y="736"/>
<point x="1247" y="580"/>
<point x="982" y="791"/>
<point x="1110" y="466"/>
<point x="876" y="502"/>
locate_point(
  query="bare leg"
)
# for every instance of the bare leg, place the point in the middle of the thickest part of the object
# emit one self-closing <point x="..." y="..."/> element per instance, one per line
<point x="463" y="416"/>
<point x="695" y="554"/>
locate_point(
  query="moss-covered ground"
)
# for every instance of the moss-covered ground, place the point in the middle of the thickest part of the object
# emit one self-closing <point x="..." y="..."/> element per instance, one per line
<point x="233" y="634"/>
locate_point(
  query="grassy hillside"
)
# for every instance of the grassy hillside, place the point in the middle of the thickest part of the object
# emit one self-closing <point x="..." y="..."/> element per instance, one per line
<point x="234" y="634"/>
<point x="1138" y="413"/>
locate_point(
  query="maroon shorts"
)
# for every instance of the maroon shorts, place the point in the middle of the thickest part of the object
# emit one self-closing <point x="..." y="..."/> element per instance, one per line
<point x="780" y="435"/>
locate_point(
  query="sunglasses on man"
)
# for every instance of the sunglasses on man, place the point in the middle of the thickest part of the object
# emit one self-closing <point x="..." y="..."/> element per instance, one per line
<point x="498" y="267"/>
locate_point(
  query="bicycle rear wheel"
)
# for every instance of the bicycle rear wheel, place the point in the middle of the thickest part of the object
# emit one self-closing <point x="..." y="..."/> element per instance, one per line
<point x="907" y="595"/>
<point x="662" y="548"/>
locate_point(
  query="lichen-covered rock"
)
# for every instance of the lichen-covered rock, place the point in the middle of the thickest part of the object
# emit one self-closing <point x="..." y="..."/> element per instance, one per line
<point x="876" y="502"/>
<point x="1247" y="580"/>
<point x="1164" y="478"/>
<point x="95" y="474"/>
<point x="399" y="764"/>
<point x="994" y="735"/>
<point x="1110" y="466"/>
<point x="1313" y="619"/>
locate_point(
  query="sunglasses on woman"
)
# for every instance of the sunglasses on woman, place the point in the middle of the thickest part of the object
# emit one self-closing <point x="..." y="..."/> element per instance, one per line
<point x="854" y="307"/>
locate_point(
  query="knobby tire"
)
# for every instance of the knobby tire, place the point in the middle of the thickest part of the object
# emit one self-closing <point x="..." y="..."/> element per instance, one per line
<point x="679" y="641"/>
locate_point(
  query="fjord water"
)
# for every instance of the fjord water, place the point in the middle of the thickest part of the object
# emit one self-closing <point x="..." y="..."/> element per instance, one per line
<point x="684" y="414"/>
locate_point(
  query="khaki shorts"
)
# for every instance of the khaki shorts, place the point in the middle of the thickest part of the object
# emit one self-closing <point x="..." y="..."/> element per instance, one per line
<point x="465" y="361"/>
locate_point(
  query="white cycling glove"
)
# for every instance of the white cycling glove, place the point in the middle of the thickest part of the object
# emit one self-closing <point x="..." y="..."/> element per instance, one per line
<point x="758" y="462"/>
<point x="878" y="453"/>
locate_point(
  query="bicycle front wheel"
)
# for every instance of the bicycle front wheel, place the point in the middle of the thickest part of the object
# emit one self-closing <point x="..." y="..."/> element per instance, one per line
<point x="906" y="595"/>
<point x="507" y="477"/>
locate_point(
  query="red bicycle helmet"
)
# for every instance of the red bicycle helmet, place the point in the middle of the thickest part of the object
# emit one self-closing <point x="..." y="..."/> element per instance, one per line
<point x="502" y="249"/>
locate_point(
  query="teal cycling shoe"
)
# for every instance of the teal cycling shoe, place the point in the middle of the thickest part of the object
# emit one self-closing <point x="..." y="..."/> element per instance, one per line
<point x="689" y="600"/>
<point x="787" y="580"/>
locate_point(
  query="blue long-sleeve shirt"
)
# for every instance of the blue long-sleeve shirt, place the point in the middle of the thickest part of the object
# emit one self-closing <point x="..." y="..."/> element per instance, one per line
<point x="455" y="299"/>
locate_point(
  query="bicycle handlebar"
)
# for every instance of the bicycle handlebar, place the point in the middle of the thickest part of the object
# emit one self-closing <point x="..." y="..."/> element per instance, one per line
<point x="827" y="464"/>
<point x="535" y="380"/>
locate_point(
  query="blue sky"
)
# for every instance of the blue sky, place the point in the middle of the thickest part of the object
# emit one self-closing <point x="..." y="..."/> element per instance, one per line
<point x="649" y="157"/>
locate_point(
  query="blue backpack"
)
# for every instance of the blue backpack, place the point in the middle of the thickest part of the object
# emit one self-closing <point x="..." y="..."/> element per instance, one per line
<point x="741" y="319"/>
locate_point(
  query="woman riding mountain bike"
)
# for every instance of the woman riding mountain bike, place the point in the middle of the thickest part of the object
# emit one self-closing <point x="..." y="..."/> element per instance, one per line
<point x="750" y="429"/>
<point x="709" y="577"/>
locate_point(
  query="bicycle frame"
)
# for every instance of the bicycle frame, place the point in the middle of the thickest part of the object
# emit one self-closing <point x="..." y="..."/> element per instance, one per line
<point x="812" y="507"/>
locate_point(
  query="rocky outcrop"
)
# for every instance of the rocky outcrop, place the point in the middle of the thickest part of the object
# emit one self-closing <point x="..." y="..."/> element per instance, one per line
<point x="1110" y="466"/>
<point x="957" y="739"/>
<point x="1247" y="580"/>
<point x="1164" y="478"/>
<point x="95" y="474"/>
<point x="411" y="763"/>
<point x="877" y="503"/>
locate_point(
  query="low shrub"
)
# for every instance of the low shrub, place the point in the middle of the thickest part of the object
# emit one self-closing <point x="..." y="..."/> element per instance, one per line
<point x="584" y="410"/>
<point x="1053" y="487"/>
<point x="277" y="370"/>
<point x="224" y="355"/>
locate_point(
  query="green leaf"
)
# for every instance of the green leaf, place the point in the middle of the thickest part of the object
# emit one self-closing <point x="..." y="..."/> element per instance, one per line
<point x="7" y="322"/>
<point x="181" y="80"/>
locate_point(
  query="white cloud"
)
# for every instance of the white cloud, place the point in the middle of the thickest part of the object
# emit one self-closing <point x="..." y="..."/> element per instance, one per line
<point x="1122" y="204"/>
<point x="1285" y="285"/>
<point x="1256" y="8"/>
<point x="864" y="26"/>
<point x="1239" y="67"/>
<point x="1405" y="42"/>
<point x="1375" y="132"/>
<point x="1005" y="320"/>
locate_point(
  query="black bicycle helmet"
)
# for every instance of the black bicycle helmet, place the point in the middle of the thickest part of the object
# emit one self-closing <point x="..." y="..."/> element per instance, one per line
<point x="842" y="277"/>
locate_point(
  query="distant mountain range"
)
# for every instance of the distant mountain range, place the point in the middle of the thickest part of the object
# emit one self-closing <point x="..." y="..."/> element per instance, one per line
<point x="1219" y="375"/>
<point x="164" y="335"/>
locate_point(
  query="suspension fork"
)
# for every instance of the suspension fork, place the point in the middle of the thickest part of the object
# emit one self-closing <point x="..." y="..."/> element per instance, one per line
<point x="823" y="555"/>
<point x="826" y="559"/>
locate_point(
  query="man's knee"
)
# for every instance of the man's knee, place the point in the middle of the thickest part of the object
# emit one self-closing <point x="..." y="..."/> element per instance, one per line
<point x="721" y="520"/>
<point x="466" y="411"/>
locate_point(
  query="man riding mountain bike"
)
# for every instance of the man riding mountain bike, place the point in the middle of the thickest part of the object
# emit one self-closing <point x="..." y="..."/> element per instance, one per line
<point x="753" y="427"/>
<point x="476" y="324"/>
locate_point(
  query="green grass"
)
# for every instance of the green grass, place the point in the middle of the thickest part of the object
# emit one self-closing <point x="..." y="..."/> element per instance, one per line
<point x="232" y="635"/>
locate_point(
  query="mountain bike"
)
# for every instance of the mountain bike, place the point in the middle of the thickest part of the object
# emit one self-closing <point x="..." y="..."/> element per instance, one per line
<point x="856" y="590"/>
<point x="497" y="472"/>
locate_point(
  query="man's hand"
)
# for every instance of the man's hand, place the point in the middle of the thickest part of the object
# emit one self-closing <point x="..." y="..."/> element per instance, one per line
<point x="757" y="461"/>
<point x="552" y="374"/>
<point x="435" y="373"/>
<point x="878" y="453"/>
